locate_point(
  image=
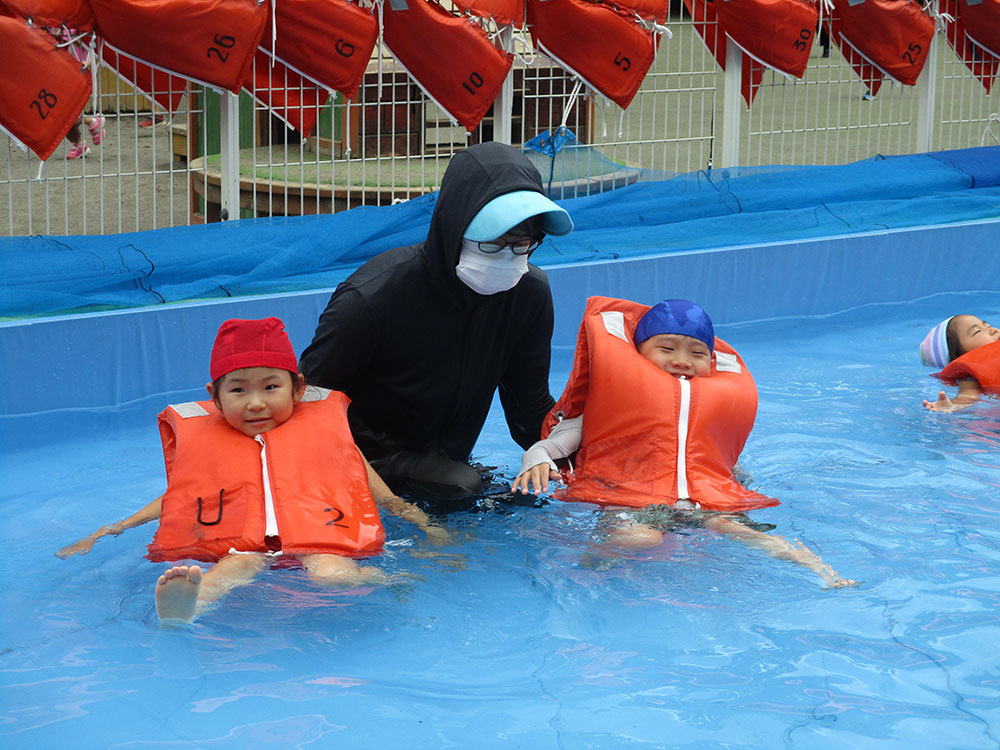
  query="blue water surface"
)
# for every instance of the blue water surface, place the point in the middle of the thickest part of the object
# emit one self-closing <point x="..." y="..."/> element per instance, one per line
<point x="527" y="633"/>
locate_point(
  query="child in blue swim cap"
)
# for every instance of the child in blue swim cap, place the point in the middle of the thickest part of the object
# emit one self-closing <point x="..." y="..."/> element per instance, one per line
<point x="643" y="423"/>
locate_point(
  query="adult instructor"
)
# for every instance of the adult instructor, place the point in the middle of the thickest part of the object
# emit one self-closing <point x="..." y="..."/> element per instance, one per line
<point x="421" y="337"/>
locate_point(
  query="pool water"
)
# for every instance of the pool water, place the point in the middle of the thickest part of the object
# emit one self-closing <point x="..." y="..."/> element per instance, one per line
<point x="527" y="633"/>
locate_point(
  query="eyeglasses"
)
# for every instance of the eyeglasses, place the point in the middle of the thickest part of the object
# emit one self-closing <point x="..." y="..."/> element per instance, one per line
<point x="521" y="247"/>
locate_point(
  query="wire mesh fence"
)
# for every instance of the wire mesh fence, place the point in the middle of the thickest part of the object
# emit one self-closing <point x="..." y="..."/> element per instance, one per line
<point x="391" y="142"/>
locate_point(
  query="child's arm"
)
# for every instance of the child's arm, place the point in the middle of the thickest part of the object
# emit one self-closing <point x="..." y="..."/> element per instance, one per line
<point x="968" y="393"/>
<point x="780" y="548"/>
<point x="150" y="513"/>
<point x="385" y="498"/>
<point x="538" y="463"/>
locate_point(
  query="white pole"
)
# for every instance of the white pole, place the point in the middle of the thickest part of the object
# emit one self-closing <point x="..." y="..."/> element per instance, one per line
<point x="503" y="105"/>
<point x="732" y="104"/>
<point x="926" y="96"/>
<point x="229" y="137"/>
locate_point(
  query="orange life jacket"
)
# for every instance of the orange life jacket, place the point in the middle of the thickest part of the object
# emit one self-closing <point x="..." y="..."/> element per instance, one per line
<point x="304" y="482"/>
<point x="974" y="34"/>
<point x="466" y="82"/>
<point x="983" y="364"/>
<point x="599" y="43"/>
<point x="649" y="437"/>
<point x="882" y="37"/>
<point x="212" y="43"/>
<point x="41" y="101"/>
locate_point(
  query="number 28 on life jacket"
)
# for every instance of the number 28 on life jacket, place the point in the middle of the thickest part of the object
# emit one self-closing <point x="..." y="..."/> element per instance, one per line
<point x="649" y="437"/>
<point x="303" y="482"/>
<point x="983" y="364"/>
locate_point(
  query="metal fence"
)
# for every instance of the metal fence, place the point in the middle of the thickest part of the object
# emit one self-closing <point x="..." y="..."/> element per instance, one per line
<point x="221" y="155"/>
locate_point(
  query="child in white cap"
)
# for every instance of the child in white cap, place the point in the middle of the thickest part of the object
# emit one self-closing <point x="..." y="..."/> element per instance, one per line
<point x="967" y="349"/>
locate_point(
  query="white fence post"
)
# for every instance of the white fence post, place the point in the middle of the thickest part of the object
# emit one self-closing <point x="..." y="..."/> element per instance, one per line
<point x="732" y="104"/>
<point x="503" y="105"/>
<point x="927" y="97"/>
<point x="229" y="137"/>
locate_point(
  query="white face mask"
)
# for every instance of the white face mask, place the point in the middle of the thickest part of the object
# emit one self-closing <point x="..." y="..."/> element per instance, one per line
<point x="489" y="273"/>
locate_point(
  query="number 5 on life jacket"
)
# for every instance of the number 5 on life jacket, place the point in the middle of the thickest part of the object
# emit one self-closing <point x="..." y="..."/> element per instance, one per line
<point x="41" y="101"/>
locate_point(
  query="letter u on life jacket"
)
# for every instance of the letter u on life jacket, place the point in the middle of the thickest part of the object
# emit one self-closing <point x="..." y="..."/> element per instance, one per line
<point x="209" y="42"/>
<point x="304" y="482"/>
<point x="598" y="43"/>
<point x="451" y="59"/>
<point x="648" y="437"/>
<point x="882" y="37"/>
<point x="41" y="101"/>
<point x="983" y="364"/>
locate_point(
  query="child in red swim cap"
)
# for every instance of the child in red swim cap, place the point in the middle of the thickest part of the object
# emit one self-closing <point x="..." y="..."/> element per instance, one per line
<point x="266" y="468"/>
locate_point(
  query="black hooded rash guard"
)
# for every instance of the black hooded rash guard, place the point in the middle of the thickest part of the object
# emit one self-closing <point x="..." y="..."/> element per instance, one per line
<point x="419" y="353"/>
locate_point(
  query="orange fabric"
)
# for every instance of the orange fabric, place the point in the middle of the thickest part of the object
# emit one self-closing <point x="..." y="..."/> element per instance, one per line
<point x="318" y="480"/>
<point x="706" y="23"/>
<point x="631" y="412"/>
<point x="779" y="33"/>
<point x="602" y="45"/>
<point x="453" y="60"/>
<point x="330" y="42"/>
<point x="882" y="37"/>
<point x="983" y="364"/>
<point x="73" y="14"/>
<point x="975" y="36"/>
<point x="39" y="104"/>
<point x="213" y="41"/>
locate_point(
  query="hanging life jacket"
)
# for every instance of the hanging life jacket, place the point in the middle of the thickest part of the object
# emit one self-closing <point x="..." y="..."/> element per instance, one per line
<point x="207" y="42"/>
<point x="303" y="482"/>
<point x="983" y="364"/>
<point x="649" y="437"/>
<point x="43" y="91"/>
<point x="974" y="34"/>
<point x="329" y="42"/>
<point x="882" y="37"/>
<point x="598" y="43"/>
<point x="710" y="29"/>
<point x="465" y="77"/>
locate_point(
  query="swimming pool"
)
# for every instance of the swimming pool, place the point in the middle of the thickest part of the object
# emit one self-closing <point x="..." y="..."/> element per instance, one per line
<point x="526" y="634"/>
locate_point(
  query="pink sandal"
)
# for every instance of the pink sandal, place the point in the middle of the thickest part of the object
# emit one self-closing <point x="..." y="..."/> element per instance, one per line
<point x="78" y="150"/>
<point x="96" y="129"/>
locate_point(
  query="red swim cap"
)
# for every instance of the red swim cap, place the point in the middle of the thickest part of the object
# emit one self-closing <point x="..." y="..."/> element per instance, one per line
<point x="252" y="343"/>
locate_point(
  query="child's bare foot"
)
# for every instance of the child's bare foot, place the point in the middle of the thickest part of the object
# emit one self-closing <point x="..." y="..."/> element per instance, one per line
<point x="177" y="593"/>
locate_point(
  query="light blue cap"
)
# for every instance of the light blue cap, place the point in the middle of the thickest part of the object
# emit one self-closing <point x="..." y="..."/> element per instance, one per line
<point x="504" y="213"/>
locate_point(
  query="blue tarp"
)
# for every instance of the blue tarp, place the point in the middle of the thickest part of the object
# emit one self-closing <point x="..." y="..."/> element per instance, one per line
<point x="45" y="275"/>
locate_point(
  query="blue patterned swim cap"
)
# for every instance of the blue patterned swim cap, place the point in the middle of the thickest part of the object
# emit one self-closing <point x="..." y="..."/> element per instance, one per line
<point x="677" y="316"/>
